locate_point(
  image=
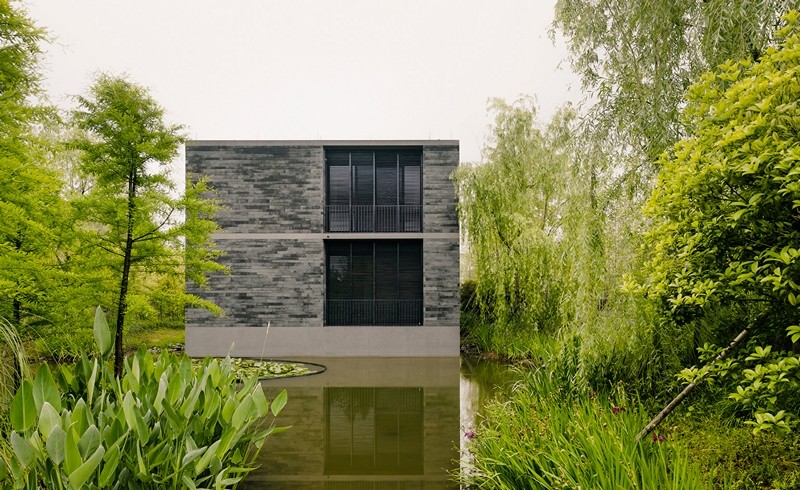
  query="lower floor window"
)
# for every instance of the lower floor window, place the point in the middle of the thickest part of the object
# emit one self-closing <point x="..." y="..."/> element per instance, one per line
<point x="373" y="282"/>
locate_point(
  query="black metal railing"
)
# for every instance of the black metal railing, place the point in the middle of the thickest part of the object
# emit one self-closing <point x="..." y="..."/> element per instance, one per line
<point x="367" y="218"/>
<point x="384" y="312"/>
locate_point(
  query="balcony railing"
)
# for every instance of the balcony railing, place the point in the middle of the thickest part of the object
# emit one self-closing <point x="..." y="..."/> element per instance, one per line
<point x="386" y="219"/>
<point x="377" y="312"/>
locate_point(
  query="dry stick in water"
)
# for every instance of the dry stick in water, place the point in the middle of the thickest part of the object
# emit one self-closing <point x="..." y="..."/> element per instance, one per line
<point x="683" y="394"/>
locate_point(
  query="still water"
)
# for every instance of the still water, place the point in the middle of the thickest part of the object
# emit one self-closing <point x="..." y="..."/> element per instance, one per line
<point x="371" y="423"/>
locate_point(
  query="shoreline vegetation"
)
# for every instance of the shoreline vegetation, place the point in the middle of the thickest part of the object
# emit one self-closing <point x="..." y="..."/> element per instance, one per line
<point x="555" y="430"/>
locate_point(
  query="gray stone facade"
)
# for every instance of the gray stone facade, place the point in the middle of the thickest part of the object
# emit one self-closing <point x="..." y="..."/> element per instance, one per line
<point x="273" y="194"/>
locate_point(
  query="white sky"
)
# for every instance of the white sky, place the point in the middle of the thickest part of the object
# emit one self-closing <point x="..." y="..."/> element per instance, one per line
<point x="344" y="69"/>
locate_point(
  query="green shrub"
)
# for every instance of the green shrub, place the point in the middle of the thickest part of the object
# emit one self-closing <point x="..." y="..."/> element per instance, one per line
<point x="544" y="438"/>
<point x="162" y="424"/>
<point x="731" y="457"/>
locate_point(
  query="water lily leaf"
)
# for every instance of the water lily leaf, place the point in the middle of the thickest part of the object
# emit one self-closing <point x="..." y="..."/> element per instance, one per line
<point x="23" y="408"/>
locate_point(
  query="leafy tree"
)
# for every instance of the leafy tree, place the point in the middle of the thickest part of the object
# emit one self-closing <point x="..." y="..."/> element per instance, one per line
<point x="29" y="189"/>
<point x="512" y="210"/>
<point x="725" y="213"/>
<point x="638" y="58"/>
<point x="131" y="210"/>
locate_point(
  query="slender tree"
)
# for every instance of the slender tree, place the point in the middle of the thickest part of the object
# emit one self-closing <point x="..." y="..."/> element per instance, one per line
<point x="132" y="210"/>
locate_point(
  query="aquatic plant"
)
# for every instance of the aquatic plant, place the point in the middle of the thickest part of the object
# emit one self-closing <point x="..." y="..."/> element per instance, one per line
<point x="161" y="424"/>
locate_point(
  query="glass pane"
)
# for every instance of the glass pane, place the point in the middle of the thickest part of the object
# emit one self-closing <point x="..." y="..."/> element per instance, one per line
<point x="412" y="192"/>
<point x="338" y="185"/>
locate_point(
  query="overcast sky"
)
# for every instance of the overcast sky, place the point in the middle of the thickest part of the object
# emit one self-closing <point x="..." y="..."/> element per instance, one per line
<point x="344" y="69"/>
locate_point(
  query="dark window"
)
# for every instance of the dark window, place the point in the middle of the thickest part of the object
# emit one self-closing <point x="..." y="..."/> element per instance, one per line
<point x="373" y="282"/>
<point x="373" y="190"/>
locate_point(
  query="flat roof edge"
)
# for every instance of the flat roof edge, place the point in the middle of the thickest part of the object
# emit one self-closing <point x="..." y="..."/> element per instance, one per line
<point x="321" y="142"/>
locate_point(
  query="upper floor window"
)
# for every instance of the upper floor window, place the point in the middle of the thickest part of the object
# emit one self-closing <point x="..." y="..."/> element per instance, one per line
<point x="377" y="190"/>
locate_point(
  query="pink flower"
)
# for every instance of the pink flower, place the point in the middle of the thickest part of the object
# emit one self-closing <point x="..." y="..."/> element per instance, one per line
<point x="469" y="434"/>
<point x="616" y="410"/>
<point x="658" y="438"/>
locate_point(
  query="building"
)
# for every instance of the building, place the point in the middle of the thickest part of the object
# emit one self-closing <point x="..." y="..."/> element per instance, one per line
<point x="336" y="248"/>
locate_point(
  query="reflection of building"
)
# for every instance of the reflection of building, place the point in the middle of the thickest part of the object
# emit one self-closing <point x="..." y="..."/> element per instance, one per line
<point x="374" y="431"/>
<point x="366" y="424"/>
<point x="353" y="235"/>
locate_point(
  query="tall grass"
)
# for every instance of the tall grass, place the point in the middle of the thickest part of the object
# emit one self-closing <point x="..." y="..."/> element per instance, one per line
<point x="13" y="369"/>
<point x="13" y="364"/>
<point x="548" y="437"/>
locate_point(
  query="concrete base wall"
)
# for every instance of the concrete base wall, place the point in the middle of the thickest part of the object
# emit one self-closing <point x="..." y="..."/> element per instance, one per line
<point x="292" y="342"/>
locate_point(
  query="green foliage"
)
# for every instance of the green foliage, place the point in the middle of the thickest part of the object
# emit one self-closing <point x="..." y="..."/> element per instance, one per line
<point x="551" y="241"/>
<point x="511" y="208"/>
<point x="544" y="437"/>
<point x="638" y="58"/>
<point x="131" y="210"/>
<point x="731" y="457"/>
<point x="725" y="218"/>
<point x="29" y="190"/>
<point x="162" y="424"/>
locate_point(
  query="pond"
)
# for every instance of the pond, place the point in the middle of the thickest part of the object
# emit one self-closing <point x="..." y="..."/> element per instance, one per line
<point x="376" y="423"/>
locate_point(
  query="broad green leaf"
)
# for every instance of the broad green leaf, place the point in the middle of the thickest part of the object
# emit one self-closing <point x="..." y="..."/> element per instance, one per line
<point x="192" y="455"/>
<point x="79" y="476"/>
<point x="23" y="450"/>
<point x="278" y="403"/>
<point x="188" y="483"/>
<point x="44" y="389"/>
<point x="143" y="473"/>
<point x="89" y="441"/>
<point x="162" y="391"/>
<point x="260" y="400"/>
<point x="206" y="459"/>
<point x="90" y="385"/>
<point x="245" y="412"/>
<point x="55" y="444"/>
<point x="102" y="333"/>
<point x="48" y="420"/>
<point x="72" y="455"/>
<point x="228" y="409"/>
<point x="129" y="407"/>
<point x="110" y="462"/>
<point x="23" y="408"/>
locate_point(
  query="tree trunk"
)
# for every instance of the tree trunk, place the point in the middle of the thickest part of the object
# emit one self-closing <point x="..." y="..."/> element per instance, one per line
<point x="123" y="287"/>
<point x="691" y="386"/>
<point x="17" y="307"/>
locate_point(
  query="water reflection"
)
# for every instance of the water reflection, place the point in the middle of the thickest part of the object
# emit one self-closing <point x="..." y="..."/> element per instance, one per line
<point x="366" y="424"/>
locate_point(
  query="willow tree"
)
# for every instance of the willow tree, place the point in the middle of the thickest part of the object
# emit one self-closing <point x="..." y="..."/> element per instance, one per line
<point x="512" y="208"/>
<point x="638" y="58"/>
<point x="133" y="211"/>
